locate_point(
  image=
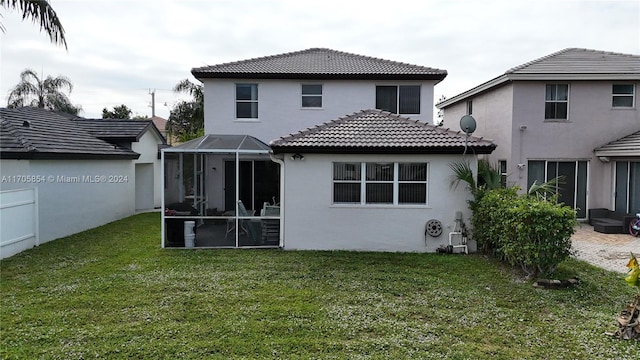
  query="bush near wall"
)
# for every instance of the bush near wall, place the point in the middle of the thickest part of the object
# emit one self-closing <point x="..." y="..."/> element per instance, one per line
<point x="523" y="231"/>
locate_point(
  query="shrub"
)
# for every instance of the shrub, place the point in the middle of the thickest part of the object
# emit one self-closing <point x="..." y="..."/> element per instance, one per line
<point x="488" y="208"/>
<point x="537" y="235"/>
<point x="523" y="231"/>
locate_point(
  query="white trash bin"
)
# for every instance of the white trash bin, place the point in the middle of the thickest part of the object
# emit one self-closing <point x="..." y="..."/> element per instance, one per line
<point x="189" y="235"/>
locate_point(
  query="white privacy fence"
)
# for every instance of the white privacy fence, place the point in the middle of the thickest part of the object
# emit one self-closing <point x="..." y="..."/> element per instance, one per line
<point x="18" y="221"/>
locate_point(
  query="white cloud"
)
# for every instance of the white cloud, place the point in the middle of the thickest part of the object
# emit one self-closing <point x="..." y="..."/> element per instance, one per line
<point x="118" y="50"/>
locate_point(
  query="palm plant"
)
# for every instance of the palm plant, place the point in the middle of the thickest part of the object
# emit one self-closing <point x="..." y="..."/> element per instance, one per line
<point x="488" y="176"/>
<point x="39" y="11"/>
<point x="546" y="190"/>
<point x="46" y="94"/>
<point x="186" y="120"/>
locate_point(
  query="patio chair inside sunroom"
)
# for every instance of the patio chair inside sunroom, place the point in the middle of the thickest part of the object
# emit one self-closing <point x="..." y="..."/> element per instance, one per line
<point x="224" y="187"/>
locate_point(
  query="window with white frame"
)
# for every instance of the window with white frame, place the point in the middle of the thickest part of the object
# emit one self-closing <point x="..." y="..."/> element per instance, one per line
<point x="379" y="183"/>
<point x="622" y="95"/>
<point x="246" y="101"/>
<point x="347" y="183"/>
<point x="311" y="95"/>
<point x="403" y="99"/>
<point x="469" y="107"/>
<point x="383" y="183"/>
<point x="412" y="183"/>
<point x="556" y="102"/>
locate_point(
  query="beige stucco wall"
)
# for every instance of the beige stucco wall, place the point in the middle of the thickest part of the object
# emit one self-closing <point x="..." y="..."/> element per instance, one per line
<point x="311" y="221"/>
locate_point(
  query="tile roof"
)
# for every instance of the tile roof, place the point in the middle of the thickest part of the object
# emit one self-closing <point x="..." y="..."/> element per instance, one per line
<point x="564" y="65"/>
<point x="626" y="146"/>
<point x="118" y="130"/>
<point x="33" y="133"/>
<point x="160" y="123"/>
<point x="377" y="131"/>
<point x="581" y="61"/>
<point x="319" y="63"/>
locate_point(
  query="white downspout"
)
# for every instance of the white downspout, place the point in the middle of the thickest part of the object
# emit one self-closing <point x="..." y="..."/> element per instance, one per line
<point x="162" y="185"/>
<point x="282" y="202"/>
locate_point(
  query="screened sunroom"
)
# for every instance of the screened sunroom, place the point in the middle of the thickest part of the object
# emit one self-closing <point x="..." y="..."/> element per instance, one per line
<point x="221" y="191"/>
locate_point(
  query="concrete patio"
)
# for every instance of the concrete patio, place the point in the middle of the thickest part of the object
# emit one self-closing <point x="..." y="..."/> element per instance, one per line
<point x="608" y="251"/>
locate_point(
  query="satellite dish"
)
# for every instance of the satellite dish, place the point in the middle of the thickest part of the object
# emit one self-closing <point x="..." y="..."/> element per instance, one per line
<point x="468" y="124"/>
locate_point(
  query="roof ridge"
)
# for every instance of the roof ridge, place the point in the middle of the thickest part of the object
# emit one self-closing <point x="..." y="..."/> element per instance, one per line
<point x="259" y="58"/>
<point x="535" y="61"/>
<point x="564" y="51"/>
<point x="379" y="59"/>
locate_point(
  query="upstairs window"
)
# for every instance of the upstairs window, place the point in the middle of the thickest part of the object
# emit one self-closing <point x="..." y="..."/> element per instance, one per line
<point x="403" y="99"/>
<point x="470" y="107"/>
<point x="622" y="95"/>
<point x="556" y="102"/>
<point x="311" y="95"/>
<point x="246" y="101"/>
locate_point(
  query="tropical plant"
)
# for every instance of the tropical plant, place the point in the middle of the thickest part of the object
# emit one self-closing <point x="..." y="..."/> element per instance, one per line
<point x="633" y="276"/>
<point x="186" y="119"/>
<point x="546" y="190"/>
<point x="488" y="176"/>
<point x="187" y="87"/>
<point x="46" y="94"/>
<point x="39" y="11"/>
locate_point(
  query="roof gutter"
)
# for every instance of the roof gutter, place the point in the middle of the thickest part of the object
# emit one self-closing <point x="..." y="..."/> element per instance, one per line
<point x="474" y="91"/>
<point x="451" y="150"/>
<point x="312" y="76"/>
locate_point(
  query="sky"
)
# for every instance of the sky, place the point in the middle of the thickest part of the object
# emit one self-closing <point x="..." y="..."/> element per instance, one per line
<point x="119" y="51"/>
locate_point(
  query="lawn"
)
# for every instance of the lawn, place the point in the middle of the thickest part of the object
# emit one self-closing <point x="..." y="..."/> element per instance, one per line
<point x="111" y="292"/>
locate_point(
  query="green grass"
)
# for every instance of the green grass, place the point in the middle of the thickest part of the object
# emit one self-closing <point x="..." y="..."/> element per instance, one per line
<point x="111" y="292"/>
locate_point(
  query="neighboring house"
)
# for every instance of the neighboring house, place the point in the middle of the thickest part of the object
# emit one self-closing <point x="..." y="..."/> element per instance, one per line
<point x="144" y="138"/>
<point x="554" y="116"/>
<point x="81" y="181"/>
<point x="161" y="125"/>
<point x="366" y="181"/>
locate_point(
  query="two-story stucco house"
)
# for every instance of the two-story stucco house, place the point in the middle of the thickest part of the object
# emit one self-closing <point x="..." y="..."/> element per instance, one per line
<point x="553" y="115"/>
<point x="335" y="147"/>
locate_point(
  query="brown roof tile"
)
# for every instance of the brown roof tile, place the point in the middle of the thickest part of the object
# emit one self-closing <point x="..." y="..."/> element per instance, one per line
<point x="377" y="131"/>
<point x="319" y="63"/>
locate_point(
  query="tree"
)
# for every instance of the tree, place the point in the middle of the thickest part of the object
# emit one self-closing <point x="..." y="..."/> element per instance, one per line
<point x="119" y="112"/>
<point x="186" y="119"/>
<point x="39" y="11"/>
<point x="47" y="93"/>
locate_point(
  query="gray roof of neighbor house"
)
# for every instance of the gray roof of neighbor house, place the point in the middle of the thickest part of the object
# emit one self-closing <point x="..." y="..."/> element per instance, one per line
<point x="115" y="130"/>
<point x="319" y="63"/>
<point x="380" y="132"/>
<point x="628" y="146"/>
<point x="565" y="65"/>
<point x="33" y="133"/>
